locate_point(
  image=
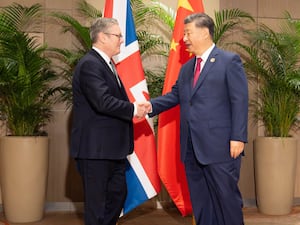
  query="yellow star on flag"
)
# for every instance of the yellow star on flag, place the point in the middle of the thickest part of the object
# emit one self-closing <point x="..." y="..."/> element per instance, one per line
<point x="185" y="4"/>
<point x="174" y="45"/>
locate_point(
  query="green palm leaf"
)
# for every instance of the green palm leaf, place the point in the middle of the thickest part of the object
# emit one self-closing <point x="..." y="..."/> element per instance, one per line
<point x="227" y="20"/>
<point x="151" y="44"/>
<point x="70" y="24"/>
<point x="88" y="10"/>
<point x="271" y="60"/>
<point x="20" y="17"/>
<point x="25" y="75"/>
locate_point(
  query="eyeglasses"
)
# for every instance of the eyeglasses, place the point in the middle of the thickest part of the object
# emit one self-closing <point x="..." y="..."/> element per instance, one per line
<point x="116" y="35"/>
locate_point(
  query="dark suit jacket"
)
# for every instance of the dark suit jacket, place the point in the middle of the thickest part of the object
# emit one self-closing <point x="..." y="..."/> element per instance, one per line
<point x="102" y="114"/>
<point x="215" y="111"/>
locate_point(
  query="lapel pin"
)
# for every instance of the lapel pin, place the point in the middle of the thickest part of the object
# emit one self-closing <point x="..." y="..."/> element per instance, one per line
<point x="212" y="60"/>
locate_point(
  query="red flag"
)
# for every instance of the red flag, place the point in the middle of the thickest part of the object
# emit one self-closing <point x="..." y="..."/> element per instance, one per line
<point x="168" y="130"/>
<point x="141" y="174"/>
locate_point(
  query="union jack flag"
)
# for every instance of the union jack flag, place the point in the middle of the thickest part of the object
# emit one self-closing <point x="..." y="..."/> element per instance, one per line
<point x="142" y="177"/>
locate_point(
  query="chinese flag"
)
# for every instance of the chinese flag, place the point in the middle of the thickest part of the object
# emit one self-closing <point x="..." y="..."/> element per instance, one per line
<point x="170" y="168"/>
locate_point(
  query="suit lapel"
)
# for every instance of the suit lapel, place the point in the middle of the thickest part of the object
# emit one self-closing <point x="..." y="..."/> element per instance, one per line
<point x="95" y="53"/>
<point x="190" y="76"/>
<point x="204" y="72"/>
<point x="112" y="76"/>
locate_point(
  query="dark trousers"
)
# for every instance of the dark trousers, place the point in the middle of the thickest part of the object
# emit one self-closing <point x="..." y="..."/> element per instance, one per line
<point x="105" y="190"/>
<point x="214" y="192"/>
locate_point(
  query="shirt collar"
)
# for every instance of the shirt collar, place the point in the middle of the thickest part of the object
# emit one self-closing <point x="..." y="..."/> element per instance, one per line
<point x="102" y="54"/>
<point x="205" y="55"/>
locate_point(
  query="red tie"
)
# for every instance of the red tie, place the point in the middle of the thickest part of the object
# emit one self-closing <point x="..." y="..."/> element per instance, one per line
<point x="197" y="71"/>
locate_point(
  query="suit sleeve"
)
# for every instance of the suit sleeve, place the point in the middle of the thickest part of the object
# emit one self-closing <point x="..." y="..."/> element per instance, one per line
<point x="238" y="93"/>
<point x="102" y="96"/>
<point x="165" y="102"/>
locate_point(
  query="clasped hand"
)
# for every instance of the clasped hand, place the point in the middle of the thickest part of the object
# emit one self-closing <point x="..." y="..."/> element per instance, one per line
<point x="143" y="108"/>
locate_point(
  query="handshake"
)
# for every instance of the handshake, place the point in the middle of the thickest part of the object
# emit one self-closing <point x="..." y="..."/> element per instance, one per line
<point x="142" y="109"/>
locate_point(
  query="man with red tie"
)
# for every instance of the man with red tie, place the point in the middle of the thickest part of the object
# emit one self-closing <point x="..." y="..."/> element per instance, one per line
<point x="212" y="91"/>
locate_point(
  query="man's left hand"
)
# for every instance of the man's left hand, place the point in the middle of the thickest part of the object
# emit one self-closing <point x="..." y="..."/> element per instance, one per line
<point x="236" y="148"/>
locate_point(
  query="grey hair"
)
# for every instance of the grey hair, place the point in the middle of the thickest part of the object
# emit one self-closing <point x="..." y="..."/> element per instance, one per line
<point x="201" y="20"/>
<point x="101" y="25"/>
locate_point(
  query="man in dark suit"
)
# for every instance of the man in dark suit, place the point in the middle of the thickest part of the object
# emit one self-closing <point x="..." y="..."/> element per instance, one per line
<point x="213" y="123"/>
<point x="102" y="129"/>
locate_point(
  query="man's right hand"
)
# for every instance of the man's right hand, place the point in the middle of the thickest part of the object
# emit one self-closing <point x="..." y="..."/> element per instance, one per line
<point x="143" y="108"/>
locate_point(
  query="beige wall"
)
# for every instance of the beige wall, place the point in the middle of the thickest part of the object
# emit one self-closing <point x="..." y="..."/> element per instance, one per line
<point x="63" y="182"/>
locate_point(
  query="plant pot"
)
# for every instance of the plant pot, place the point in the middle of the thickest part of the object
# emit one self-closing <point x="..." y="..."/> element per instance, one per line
<point x="23" y="176"/>
<point x="275" y="170"/>
<point x="0" y="193"/>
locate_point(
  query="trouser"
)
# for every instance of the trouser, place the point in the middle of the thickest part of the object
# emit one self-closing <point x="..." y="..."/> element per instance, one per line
<point x="214" y="191"/>
<point x="105" y="190"/>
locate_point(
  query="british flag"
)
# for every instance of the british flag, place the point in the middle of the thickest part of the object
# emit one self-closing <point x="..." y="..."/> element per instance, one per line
<point x="142" y="177"/>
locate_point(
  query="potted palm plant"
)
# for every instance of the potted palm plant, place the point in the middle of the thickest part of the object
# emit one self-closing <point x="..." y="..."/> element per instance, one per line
<point x="272" y="61"/>
<point x="25" y="107"/>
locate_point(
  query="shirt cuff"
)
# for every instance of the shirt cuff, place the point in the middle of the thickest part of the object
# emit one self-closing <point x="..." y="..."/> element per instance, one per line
<point x="135" y="110"/>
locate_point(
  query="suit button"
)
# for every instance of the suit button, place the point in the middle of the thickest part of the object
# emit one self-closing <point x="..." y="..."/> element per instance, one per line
<point x="191" y="103"/>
